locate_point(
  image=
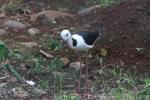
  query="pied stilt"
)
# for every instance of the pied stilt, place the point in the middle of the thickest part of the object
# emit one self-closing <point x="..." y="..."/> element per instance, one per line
<point x="82" y="41"/>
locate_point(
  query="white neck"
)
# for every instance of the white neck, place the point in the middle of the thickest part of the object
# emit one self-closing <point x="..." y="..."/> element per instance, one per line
<point x="69" y="40"/>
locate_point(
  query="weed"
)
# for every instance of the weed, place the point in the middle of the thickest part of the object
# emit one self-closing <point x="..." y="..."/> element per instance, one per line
<point x="44" y="84"/>
<point x="38" y="65"/>
<point x="4" y="52"/>
<point x="125" y="94"/>
<point x="103" y="3"/>
<point x="16" y="55"/>
<point x="146" y="90"/>
<point x="53" y="44"/>
<point x="12" y="6"/>
<point x="58" y="81"/>
<point x="108" y="3"/>
<point x="12" y="70"/>
<point x="55" y="64"/>
<point x="147" y="82"/>
<point x="4" y="56"/>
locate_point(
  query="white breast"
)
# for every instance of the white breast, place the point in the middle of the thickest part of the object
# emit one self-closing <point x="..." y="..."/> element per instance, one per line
<point x="81" y="45"/>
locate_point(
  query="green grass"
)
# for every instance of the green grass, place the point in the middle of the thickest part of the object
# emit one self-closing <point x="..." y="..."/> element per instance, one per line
<point x="66" y="97"/>
<point x="103" y="3"/>
<point x="53" y="44"/>
<point x="107" y="3"/>
<point x="4" y="52"/>
<point x="44" y="84"/>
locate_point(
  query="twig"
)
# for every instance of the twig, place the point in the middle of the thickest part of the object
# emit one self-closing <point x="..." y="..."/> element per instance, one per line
<point x="4" y="77"/>
<point x="46" y="54"/>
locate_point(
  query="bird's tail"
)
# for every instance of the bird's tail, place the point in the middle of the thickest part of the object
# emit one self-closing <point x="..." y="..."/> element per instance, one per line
<point x="99" y="29"/>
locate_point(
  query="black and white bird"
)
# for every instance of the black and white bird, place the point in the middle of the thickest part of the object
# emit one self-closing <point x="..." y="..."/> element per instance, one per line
<point x="82" y="41"/>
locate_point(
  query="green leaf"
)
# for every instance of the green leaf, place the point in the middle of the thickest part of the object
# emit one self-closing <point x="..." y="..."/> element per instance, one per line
<point x="52" y="65"/>
<point x="55" y="64"/>
<point x="38" y="65"/>
<point x="16" y="55"/>
<point x="3" y="51"/>
<point x="11" y="69"/>
<point x="53" y="44"/>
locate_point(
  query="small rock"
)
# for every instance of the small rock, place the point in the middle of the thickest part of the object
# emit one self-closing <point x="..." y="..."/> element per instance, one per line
<point x="88" y="10"/>
<point x="33" y="31"/>
<point x="2" y="15"/>
<point x="2" y="32"/>
<point x="29" y="44"/>
<point x="48" y="17"/>
<point x="14" y="24"/>
<point x="65" y="61"/>
<point x="45" y="20"/>
<point x="75" y="65"/>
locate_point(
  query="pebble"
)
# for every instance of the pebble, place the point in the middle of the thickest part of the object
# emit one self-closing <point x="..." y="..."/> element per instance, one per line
<point x="14" y="24"/>
<point x="88" y="10"/>
<point x="33" y="31"/>
<point x="75" y="65"/>
<point x="65" y="61"/>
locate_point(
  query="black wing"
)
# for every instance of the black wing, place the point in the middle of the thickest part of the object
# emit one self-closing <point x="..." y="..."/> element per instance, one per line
<point x="74" y="42"/>
<point x="89" y="37"/>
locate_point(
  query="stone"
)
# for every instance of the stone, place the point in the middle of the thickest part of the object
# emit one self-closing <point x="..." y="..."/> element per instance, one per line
<point x="88" y="10"/>
<point x="65" y="61"/>
<point x="33" y="31"/>
<point x="14" y="24"/>
<point x="75" y="65"/>
<point x="28" y="44"/>
<point x="48" y="17"/>
<point x="2" y="15"/>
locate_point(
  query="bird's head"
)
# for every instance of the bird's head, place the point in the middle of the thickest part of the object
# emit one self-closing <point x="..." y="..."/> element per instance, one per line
<point x="65" y="34"/>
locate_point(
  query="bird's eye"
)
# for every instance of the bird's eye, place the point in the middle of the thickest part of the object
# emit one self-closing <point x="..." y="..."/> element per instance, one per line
<point x="66" y="34"/>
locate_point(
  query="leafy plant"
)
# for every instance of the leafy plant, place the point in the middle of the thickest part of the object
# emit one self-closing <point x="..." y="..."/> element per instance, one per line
<point x="43" y="84"/>
<point x="4" y="52"/>
<point x="58" y="81"/>
<point x="146" y="90"/>
<point x="53" y="44"/>
<point x="12" y="70"/>
<point x="16" y="55"/>
<point x="55" y="64"/>
<point x="38" y="65"/>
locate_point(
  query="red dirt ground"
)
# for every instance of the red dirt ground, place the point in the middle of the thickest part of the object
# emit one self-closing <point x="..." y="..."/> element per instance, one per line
<point x="126" y="26"/>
